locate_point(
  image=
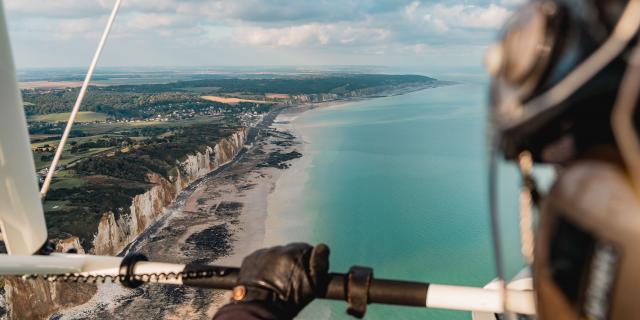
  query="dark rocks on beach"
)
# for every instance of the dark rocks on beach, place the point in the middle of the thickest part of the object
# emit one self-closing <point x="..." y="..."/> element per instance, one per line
<point x="3" y="310"/>
<point x="281" y="134"/>
<point x="283" y="143"/>
<point x="282" y="138"/>
<point x="247" y="187"/>
<point x="156" y="238"/>
<point x="227" y="209"/>
<point x="278" y="160"/>
<point x="214" y="242"/>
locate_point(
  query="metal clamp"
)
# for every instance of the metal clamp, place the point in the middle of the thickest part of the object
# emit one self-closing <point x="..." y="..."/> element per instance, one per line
<point x="127" y="276"/>
<point x="358" y="283"/>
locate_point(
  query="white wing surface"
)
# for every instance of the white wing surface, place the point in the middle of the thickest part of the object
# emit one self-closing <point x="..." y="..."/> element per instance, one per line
<point x="21" y="214"/>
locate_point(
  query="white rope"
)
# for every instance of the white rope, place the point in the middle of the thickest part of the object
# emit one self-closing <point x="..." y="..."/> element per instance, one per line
<point x="76" y="106"/>
<point x="622" y="119"/>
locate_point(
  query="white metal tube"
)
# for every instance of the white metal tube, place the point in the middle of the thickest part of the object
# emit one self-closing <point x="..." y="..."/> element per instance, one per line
<point x="84" y="265"/>
<point x="438" y="296"/>
<point x="478" y="299"/>
<point x="56" y="264"/>
<point x="144" y="267"/>
<point x="76" y="107"/>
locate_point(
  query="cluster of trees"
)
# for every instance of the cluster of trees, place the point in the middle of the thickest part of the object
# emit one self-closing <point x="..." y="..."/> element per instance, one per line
<point x="104" y="142"/>
<point x="126" y="105"/>
<point x="158" y="155"/>
<point x="124" y="166"/>
<point x="86" y="205"/>
<point x="115" y="104"/>
<point x="150" y="131"/>
<point x="46" y="157"/>
<point x="98" y="196"/>
<point x="39" y="127"/>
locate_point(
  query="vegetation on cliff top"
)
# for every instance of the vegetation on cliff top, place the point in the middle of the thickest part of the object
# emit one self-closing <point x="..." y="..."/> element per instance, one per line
<point x="108" y="181"/>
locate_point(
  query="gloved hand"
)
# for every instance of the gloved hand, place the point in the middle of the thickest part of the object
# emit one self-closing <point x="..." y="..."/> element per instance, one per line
<point x="285" y="278"/>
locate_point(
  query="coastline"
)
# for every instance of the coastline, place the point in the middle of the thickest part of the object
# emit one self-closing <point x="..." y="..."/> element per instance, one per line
<point x="219" y="219"/>
<point x="223" y="218"/>
<point x="287" y="188"/>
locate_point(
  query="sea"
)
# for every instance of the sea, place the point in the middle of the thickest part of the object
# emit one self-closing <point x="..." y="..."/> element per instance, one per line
<point x="400" y="184"/>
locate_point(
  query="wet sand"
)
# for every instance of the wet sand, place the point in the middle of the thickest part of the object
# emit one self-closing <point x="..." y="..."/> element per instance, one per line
<point x="283" y="225"/>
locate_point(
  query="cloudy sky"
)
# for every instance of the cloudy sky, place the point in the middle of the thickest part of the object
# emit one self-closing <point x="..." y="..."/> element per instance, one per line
<point x="427" y="33"/>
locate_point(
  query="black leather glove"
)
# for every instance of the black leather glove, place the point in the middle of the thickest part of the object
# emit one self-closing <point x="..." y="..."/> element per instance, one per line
<point x="285" y="278"/>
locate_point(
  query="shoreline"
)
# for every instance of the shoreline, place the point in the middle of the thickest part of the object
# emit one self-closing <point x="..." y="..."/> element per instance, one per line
<point x="288" y="187"/>
<point x="218" y="219"/>
<point x="269" y="216"/>
<point x="226" y="216"/>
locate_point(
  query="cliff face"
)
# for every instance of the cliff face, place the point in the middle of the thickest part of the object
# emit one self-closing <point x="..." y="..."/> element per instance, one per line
<point x="37" y="299"/>
<point x="116" y="231"/>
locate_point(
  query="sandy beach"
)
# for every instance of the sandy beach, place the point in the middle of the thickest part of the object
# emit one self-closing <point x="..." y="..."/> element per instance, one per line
<point x="219" y="219"/>
<point x="282" y="224"/>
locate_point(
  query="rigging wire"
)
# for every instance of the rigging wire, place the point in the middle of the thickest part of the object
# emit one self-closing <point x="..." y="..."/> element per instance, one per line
<point x="495" y="222"/>
<point x="78" y="103"/>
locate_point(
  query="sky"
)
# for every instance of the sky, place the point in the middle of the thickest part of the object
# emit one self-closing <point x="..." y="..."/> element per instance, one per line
<point x="436" y="34"/>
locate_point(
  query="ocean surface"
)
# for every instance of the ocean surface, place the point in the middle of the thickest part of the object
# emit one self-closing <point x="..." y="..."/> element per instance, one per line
<point x="398" y="184"/>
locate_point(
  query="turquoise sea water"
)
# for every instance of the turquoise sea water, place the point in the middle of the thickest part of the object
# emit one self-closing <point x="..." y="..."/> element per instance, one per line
<point x="399" y="184"/>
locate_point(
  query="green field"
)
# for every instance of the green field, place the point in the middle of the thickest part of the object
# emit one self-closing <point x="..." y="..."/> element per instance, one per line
<point x="83" y="116"/>
<point x="110" y="128"/>
<point x="97" y="131"/>
<point x="67" y="179"/>
<point x="55" y="205"/>
<point x="74" y="139"/>
<point x="68" y="157"/>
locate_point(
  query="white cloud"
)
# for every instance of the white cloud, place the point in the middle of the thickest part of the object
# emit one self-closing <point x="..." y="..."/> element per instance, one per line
<point x="288" y="36"/>
<point x="411" y="9"/>
<point x="144" y="21"/>
<point x="439" y="24"/>
<point x="328" y="30"/>
<point x="418" y="48"/>
<point x="512" y="2"/>
<point x="445" y="17"/>
<point x="76" y="25"/>
<point x="57" y="8"/>
<point x="309" y="34"/>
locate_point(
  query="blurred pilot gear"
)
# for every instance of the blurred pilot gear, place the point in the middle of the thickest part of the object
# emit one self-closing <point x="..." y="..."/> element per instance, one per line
<point x="586" y="260"/>
<point x="565" y="84"/>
